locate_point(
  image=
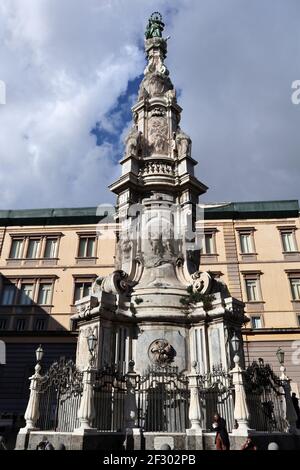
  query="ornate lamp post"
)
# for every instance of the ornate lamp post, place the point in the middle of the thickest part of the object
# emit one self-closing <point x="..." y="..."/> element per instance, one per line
<point x="241" y="412"/>
<point x="86" y="411"/>
<point x="32" y="411"/>
<point x="280" y="356"/>
<point x="92" y="342"/>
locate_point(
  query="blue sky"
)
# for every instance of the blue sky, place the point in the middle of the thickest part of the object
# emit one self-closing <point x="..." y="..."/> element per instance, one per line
<point x="71" y="83"/>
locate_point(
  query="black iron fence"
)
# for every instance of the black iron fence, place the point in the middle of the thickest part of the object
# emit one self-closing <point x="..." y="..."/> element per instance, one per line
<point x="161" y="397"/>
<point x="216" y="396"/>
<point x="162" y="400"/>
<point x="265" y="398"/>
<point x="60" y="392"/>
<point x="109" y="399"/>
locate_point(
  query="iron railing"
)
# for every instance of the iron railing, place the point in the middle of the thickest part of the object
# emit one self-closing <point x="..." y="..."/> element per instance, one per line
<point x="162" y="400"/>
<point x="60" y="392"/>
<point x="265" y="398"/>
<point x="216" y="396"/>
<point x="109" y="399"/>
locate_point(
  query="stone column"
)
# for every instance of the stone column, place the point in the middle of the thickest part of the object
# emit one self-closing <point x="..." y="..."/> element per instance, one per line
<point x="32" y="412"/>
<point x="290" y="412"/>
<point x="195" y="412"/>
<point x="86" y="412"/>
<point x="241" y="412"/>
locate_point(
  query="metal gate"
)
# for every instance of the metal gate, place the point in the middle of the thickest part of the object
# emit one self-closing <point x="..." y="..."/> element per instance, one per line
<point x="109" y="399"/>
<point x="60" y="392"/>
<point x="265" y="398"/>
<point x="216" y="396"/>
<point x="163" y="400"/>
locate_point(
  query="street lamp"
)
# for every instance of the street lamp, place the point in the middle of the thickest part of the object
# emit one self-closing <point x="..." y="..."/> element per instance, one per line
<point x="39" y="353"/>
<point x="280" y="356"/>
<point x="235" y="343"/>
<point x="91" y="342"/>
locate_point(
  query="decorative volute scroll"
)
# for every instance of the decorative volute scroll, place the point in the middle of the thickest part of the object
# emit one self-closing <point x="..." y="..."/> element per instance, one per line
<point x="115" y="283"/>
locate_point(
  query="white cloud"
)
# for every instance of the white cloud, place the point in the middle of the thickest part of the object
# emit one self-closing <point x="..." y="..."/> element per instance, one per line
<point x="65" y="63"/>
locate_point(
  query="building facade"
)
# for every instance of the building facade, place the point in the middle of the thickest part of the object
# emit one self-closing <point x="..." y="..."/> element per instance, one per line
<point x="49" y="259"/>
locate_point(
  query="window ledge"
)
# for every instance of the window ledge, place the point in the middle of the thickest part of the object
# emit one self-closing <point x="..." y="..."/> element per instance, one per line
<point x="209" y="255"/>
<point x="249" y="254"/>
<point x="296" y="305"/>
<point x="31" y="259"/>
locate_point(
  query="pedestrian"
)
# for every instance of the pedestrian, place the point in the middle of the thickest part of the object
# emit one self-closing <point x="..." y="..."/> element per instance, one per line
<point x="249" y="445"/>
<point x="222" y="438"/>
<point x="2" y="443"/>
<point x="44" y="444"/>
<point x="295" y="401"/>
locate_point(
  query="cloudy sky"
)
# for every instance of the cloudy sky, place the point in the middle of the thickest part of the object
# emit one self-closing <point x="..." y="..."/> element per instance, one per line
<point x="72" y="69"/>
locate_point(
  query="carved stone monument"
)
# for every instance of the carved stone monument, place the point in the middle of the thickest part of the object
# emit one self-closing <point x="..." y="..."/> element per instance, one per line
<point x="141" y="312"/>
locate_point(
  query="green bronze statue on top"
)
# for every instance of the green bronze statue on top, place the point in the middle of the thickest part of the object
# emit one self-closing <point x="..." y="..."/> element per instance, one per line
<point x="155" y="26"/>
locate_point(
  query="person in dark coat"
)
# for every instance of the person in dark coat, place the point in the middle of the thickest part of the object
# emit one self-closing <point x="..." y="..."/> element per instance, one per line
<point x="295" y="401"/>
<point x="2" y="443"/>
<point x="222" y="438"/>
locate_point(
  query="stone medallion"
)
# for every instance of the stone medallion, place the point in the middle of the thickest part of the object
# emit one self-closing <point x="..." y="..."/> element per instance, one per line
<point x="161" y="352"/>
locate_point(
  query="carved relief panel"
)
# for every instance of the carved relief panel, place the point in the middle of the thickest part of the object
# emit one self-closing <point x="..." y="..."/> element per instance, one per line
<point x="158" y="135"/>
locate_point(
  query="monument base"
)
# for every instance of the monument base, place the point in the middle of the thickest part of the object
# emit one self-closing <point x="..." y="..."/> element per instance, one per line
<point x="139" y="440"/>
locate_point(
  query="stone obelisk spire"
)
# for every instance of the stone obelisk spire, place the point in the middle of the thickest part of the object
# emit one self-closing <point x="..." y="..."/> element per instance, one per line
<point x="157" y="192"/>
<point x="143" y="311"/>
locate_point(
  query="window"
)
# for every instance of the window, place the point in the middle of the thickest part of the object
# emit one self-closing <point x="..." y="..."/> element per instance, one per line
<point x="50" y="248"/>
<point x="256" y="322"/>
<point x="295" y="288"/>
<point x="298" y="317"/>
<point x="288" y="241"/>
<point x="246" y="243"/>
<point x="16" y="249"/>
<point x="252" y="290"/>
<point x="8" y="294"/>
<point x="3" y="323"/>
<point x="87" y="247"/>
<point x="209" y="243"/>
<point x="82" y="289"/>
<point x="20" y="325"/>
<point x="25" y="291"/>
<point x="45" y="294"/>
<point x="26" y="294"/>
<point x="33" y="249"/>
<point x="39" y="324"/>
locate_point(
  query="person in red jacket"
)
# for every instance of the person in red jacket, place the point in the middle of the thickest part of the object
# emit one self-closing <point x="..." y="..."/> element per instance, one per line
<point x="222" y="438"/>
